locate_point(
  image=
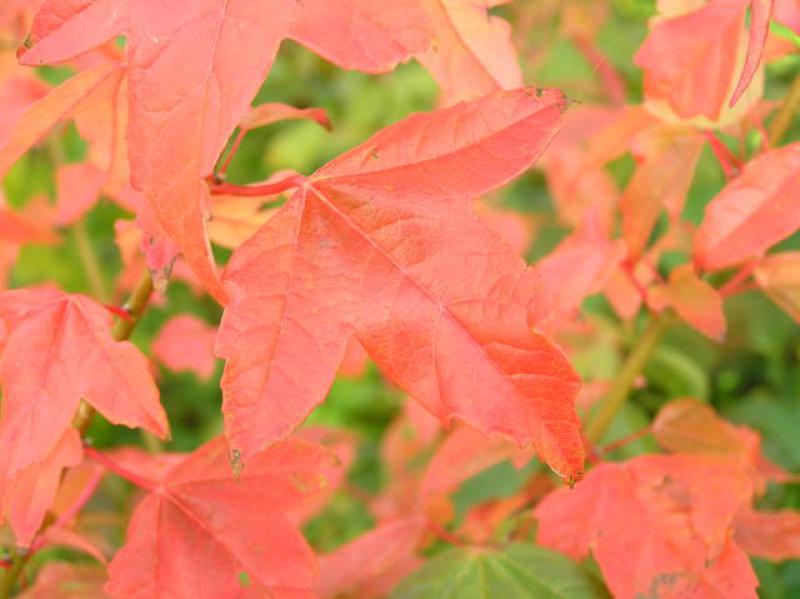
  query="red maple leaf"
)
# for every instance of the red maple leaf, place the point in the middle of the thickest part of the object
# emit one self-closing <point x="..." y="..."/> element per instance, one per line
<point x="57" y="349"/>
<point x="381" y="243"/>
<point x="238" y="535"/>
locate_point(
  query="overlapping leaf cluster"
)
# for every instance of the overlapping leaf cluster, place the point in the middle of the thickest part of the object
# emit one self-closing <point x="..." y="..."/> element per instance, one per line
<point x="396" y="252"/>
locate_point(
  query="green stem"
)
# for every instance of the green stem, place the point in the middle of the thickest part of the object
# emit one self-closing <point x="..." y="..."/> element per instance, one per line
<point x="91" y="266"/>
<point x="608" y="407"/>
<point x="123" y="327"/>
<point x="783" y="118"/>
<point x="8" y="581"/>
<point x="135" y="306"/>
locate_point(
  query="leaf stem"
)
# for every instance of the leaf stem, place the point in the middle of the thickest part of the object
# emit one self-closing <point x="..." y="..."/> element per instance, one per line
<point x="231" y="153"/>
<point x="266" y="189"/>
<point x="118" y="469"/>
<point x="445" y="535"/>
<point x="783" y="118"/>
<point x="619" y="443"/>
<point x="66" y="517"/>
<point x="602" y="417"/>
<point x="736" y="282"/>
<point x="730" y="164"/>
<point x="613" y="83"/>
<point x="85" y="495"/>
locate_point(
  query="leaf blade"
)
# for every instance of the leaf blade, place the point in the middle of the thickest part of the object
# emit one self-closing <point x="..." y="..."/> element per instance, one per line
<point x="519" y="571"/>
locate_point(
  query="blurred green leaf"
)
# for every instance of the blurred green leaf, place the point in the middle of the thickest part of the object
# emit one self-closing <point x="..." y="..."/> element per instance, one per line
<point x="519" y="571"/>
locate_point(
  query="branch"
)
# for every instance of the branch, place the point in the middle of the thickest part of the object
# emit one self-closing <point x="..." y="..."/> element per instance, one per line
<point x="91" y="266"/>
<point x="123" y="327"/>
<point x="135" y="306"/>
<point x="607" y="409"/>
<point x="8" y="581"/>
<point x="619" y="443"/>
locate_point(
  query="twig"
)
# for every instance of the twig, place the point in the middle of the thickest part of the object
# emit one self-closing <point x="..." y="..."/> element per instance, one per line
<point x="783" y="118"/>
<point x="8" y="581"/>
<point x="608" y="407"/>
<point x="123" y="327"/>
<point x="614" y="445"/>
<point x="94" y="274"/>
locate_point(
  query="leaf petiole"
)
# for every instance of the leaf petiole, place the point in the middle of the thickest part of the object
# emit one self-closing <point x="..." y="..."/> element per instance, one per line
<point x="119" y="469"/>
<point x="266" y="189"/>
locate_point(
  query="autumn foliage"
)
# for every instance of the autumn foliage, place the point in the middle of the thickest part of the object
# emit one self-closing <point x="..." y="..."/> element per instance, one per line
<point x="514" y="315"/>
